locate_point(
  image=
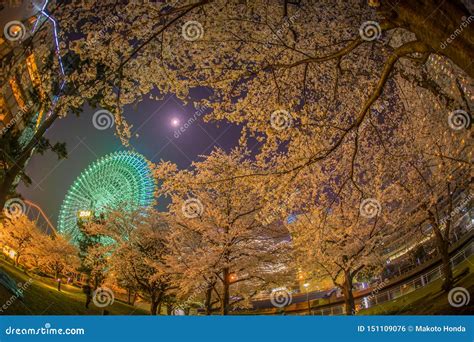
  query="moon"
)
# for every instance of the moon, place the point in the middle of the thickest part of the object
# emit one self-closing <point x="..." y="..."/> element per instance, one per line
<point x="175" y="122"/>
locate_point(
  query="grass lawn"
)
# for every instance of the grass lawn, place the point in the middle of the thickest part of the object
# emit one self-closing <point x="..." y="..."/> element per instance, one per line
<point x="42" y="298"/>
<point x="430" y="300"/>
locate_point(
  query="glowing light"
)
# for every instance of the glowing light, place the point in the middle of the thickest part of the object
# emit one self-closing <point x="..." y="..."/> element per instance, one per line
<point x="121" y="179"/>
<point x="85" y="213"/>
<point x="12" y="254"/>
<point x="175" y="122"/>
<point x="55" y="32"/>
<point x="42" y="12"/>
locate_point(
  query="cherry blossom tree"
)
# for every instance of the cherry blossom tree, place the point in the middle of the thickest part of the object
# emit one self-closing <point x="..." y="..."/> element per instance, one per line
<point x="218" y="244"/>
<point x="92" y="251"/>
<point x="328" y="91"/>
<point x="136" y="247"/>
<point x="58" y="256"/>
<point x="20" y="234"/>
<point x="52" y="254"/>
<point x="194" y="281"/>
<point x="348" y="239"/>
<point x="434" y="164"/>
<point x="296" y="67"/>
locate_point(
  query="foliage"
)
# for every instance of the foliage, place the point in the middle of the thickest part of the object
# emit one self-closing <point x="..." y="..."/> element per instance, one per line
<point x="135" y="252"/>
<point x="216" y="237"/>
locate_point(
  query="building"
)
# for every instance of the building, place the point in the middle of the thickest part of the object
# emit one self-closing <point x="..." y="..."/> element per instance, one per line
<point x="23" y="98"/>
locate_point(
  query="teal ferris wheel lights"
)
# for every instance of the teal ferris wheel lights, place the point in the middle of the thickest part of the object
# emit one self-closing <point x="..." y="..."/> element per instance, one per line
<point x="118" y="180"/>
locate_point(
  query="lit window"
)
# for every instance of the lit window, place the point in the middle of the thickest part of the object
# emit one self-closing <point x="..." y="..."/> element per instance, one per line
<point x="33" y="71"/>
<point x="3" y="109"/>
<point x="17" y="93"/>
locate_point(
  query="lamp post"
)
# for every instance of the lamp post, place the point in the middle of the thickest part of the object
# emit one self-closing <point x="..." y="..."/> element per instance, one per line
<point x="305" y="285"/>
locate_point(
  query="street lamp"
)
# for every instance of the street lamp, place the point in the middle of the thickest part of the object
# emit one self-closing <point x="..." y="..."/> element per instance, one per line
<point x="305" y="285"/>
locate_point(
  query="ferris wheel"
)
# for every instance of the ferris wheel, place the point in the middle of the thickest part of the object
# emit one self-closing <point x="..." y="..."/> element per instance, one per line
<point x="118" y="180"/>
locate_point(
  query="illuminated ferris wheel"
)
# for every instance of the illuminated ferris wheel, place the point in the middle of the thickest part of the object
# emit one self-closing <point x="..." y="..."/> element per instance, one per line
<point x="118" y="180"/>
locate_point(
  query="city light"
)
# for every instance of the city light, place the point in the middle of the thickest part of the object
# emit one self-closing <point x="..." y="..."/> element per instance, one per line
<point x="84" y="214"/>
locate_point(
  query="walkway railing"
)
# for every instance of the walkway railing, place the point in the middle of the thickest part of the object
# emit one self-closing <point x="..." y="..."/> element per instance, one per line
<point x="402" y="289"/>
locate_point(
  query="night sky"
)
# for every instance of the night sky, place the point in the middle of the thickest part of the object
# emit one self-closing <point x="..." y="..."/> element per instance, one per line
<point x="151" y="120"/>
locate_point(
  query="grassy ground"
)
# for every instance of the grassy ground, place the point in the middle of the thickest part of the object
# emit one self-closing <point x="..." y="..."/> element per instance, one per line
<point x="430" y="300"/>
<point x="42" y="298"/>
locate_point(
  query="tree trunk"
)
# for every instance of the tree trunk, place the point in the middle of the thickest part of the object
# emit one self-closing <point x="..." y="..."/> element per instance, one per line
<point x="156" y="300"/>
<point x="129" y="296"/>
<point x="153" y="307"/>
<point x="226" y="293"/>
<point x="169" y="309"/>
<point x="442" y="25"/>
<point x="443" y="249"/>
<point x="348" y="295"/>
<point x="96" y="282"/>
<point x="208" y="300"/>
<point x="159" y="308"/>
<point x="442" y="245"/>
